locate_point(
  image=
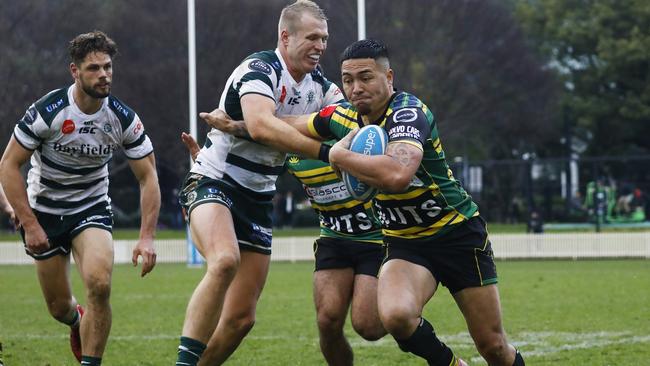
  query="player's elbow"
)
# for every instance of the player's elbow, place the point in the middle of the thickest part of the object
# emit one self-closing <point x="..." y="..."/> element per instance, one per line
<point x="396" y="182"/>
<point x="258" y="131"/>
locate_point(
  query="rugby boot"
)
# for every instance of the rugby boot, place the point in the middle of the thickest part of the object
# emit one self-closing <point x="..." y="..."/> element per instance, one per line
<point x="75" y="337"/>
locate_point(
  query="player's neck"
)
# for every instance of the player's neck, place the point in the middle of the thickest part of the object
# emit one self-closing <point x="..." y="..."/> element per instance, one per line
<point x="86" y="103"/>
<point x="296" y="75"/>
<point x="375" y="116"/>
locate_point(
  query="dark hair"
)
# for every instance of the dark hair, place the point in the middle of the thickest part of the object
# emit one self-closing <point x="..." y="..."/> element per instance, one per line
<point x="95" y="41"/>
<point x="365" y="48"/>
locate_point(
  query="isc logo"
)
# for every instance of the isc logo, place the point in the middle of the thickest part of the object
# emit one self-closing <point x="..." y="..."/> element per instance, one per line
<point x="87" y="129"/>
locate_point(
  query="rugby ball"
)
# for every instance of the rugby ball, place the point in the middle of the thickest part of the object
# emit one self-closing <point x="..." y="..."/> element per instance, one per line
<point x="370" y="140"/>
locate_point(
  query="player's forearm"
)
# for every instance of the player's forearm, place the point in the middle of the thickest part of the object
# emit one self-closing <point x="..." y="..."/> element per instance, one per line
<point x="149" y="206"/>
<point x="279" y="135"/>
<point x="16" y="194"/>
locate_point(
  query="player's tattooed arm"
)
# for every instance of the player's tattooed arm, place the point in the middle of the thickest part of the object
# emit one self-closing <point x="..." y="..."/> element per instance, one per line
<point x="407" y="155"/>
<point x="221" y="121"/>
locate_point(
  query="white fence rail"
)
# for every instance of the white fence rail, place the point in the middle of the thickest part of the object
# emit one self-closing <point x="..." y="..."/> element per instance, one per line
<point x="506" y="246"/>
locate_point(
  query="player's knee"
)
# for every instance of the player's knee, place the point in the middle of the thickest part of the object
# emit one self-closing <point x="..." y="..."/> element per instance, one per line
<point x="99" y="288"/>
<point x="493" y="348"/>
<point x="60" y="309"/>
<point x="242" y="323"/>
<point x="223" y="265"/>
<point x="329" y="321"/>
<point x="368" y="328"/>
<point x="397" y="319"/>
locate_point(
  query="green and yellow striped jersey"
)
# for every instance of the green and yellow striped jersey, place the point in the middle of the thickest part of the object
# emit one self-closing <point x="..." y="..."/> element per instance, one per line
<point x="340" y="216"/>
<point x="435" y="202"/>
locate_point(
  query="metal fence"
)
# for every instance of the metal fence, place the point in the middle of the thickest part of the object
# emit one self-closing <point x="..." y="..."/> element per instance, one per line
<point x="577" y="190"/>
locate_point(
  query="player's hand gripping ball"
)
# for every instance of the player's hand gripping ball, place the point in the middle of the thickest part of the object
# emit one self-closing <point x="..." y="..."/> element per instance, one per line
<point x="370" y="140"/>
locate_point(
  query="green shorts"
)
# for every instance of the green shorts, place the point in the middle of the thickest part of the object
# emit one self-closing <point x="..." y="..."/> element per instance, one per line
<point x="363" y="257"/>
<point x="60" y="230"/>
<point x="251" y="211"/>
<point x="460" y="259"/>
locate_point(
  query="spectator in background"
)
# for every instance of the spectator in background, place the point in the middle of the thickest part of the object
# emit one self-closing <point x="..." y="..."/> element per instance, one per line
<point x="535" y="223"/>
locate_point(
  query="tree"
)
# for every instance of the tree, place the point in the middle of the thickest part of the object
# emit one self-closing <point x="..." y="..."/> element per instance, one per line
<point x="601" y="51"/>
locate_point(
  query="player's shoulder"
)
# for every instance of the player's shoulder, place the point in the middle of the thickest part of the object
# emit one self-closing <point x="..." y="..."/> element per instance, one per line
<point x="265" y="62"/>
<point x="319" y="77"/>
<point x="52" y="104"/>
<point x="406" y="106"/>
<point x="122" y="111"/>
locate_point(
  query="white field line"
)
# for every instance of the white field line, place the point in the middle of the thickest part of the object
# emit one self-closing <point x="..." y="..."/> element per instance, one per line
<point x="532" y="344"/>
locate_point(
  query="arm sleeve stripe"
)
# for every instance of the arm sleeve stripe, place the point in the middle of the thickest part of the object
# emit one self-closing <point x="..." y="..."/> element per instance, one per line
<point x="311" y="127"/>
<point x="264" y="95"/>
<point x="140" y="157"/>
<point x="22" y="144"/>
<point x="256" y="76"/>
<point x="29" y="132"/>
<point x="136" y="143"/>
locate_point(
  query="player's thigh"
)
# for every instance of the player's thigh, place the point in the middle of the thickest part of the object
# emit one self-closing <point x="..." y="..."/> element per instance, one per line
<point x="333" y="290"/>
<point x="54" y="278"/>
<point x="246" y="287"/>
<point x="93" y="251"/>
<point x="481" y="308"/>
<point x="212" y="229"/>
<point x="364" y="294"/>
<point x="409" y="283"/>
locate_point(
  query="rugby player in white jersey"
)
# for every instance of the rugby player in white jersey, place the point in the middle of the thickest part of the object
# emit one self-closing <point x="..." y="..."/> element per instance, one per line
<point x="70" y="135"/>
<point x="228" y="192"/>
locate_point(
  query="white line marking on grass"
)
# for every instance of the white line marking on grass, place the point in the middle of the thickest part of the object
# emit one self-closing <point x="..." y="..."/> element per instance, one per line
<point x="532" y="344"/>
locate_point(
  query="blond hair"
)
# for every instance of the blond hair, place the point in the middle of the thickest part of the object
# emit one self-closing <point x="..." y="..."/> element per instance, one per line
<point x="291" y="14"/>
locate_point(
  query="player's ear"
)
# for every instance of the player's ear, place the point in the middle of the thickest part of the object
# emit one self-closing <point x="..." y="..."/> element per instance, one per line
<point x="74" y="70"/>
<point x="284" y="37"/>
<point x="389" y="77"/>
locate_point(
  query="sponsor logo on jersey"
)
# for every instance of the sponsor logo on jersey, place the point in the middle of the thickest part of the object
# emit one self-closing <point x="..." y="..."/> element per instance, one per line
<point x="50" y="108"/>
<point x="191" y="197"/>
<point x="87" y="130"/>
<point x="137" y="128"/>
<point x="328" y="193"/>
<point x="85" y="149"/>
<point x="68" y="126"/>
<point x="283" y="94"/>
<point x="108" y="128"/>
<point x="120" y="109"/>
<point x="261" y="66"/>
<point x="405" y="115"/>
<point x="402" y="131"/>
<point x="30" y="116"/>
<point x="88" y="123"/>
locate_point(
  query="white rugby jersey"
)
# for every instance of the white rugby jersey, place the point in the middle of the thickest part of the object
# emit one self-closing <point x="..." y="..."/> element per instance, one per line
<point x="72" y="149"/>
<point x="250" y="164"/>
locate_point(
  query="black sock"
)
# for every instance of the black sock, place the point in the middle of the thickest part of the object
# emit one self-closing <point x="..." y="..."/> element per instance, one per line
<point x="424" y="343"/>
<point x="519" y="361"/>
<point x="189" y="351"/>
<point x="91" y="361"/>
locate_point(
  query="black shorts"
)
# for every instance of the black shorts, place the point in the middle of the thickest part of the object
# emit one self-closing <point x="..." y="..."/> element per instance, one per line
<point x="364" y="258"/>
<point x="251" y="211"/>
<point x="60" y="230"/>
<point x="460" y="259"/>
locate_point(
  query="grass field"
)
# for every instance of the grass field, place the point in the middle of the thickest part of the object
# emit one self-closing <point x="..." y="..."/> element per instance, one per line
<point x="557" y="312"/>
